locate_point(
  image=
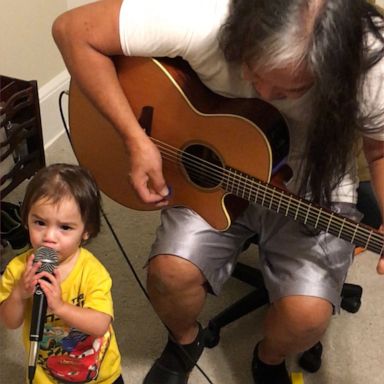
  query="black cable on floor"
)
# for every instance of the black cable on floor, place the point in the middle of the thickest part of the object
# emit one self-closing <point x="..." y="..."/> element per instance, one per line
<point x="102" y="211"/>
<point x="121" y="248"/>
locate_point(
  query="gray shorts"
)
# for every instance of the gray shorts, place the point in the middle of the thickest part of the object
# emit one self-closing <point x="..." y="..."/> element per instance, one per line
<point x="292" y="260"/>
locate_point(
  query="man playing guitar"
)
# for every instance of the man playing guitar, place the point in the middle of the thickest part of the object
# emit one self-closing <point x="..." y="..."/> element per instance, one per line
<point x="319" y="62"/>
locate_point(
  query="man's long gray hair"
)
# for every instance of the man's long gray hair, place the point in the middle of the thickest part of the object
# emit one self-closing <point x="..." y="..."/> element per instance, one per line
<point x="331" y="38"/>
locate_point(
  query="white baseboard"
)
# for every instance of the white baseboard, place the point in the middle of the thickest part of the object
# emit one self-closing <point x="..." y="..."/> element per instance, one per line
<point x="49" y="107"/>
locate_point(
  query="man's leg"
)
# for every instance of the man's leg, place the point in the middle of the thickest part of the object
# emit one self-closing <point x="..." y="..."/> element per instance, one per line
<point x="293" y="324"/>
<point x="176" y="288"/>
<point x="178" y="285"/>
<point x="177" y="293"/>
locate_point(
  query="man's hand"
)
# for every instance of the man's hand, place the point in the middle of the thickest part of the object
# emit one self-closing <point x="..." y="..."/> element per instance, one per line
<point x="146" y="172"/>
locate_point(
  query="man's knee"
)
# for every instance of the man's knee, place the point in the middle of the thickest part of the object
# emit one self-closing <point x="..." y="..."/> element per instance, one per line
<point x="304" y="315"/>
<point x="168" y="273"/>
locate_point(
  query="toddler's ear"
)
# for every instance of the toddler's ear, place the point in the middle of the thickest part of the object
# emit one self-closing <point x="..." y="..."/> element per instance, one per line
<point x="85" y="236"/>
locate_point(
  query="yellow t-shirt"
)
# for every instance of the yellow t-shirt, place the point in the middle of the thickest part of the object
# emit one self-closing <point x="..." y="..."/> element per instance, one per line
<point x="65" y="354"/>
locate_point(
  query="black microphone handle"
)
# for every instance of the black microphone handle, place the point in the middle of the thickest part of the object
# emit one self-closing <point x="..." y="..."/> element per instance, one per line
<point x="49" y="260"/>
<point x="39" y="310"/>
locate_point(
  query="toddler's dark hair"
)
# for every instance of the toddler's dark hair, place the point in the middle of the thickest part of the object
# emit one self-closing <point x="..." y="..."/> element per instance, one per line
<point x="58" y="181"/>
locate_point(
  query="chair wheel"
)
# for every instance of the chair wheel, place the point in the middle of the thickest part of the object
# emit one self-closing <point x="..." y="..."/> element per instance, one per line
<point x="351" y="304"/>
<point x="211" y="336"/>
<point x="311" y="360"/>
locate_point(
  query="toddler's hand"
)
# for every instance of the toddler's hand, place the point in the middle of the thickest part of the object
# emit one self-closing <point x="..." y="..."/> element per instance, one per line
<point x="51" y="287"/>
<point x="29" y="279"/>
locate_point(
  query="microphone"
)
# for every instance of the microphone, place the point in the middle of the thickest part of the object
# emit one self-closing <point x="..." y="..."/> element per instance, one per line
<point x="49" y="260"/>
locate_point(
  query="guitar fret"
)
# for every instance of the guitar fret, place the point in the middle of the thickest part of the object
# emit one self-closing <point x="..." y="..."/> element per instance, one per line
<point x="238" y="185"/>
<point x="297" y="210"/>
<point x="246" y="183"/>
<point x="257" y="193"/>
<point x="230" y="180"/>
<point x="273" y="193"/>
<point x="249" y="193"/>
<point x="306" y="216"/>
<point x="368" y="240"/>
<point x="341" y="228"/>
<point x="329" y="222"/>
<point x="252" y="190"/>
<point x="233" y="181"/>
<point x="354" y="233"/>
<point x="278" y="206"/>
<point x="318" y="218"/>
<point x="246" y="188"/>
<point x="288" y="205"/>
<point x="263" y="199"/>
<point x="227" y="181"/>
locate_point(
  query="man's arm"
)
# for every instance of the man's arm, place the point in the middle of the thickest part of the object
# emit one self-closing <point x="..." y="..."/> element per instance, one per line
<point x="374" y="153"/>
<point x="87" y="38"/>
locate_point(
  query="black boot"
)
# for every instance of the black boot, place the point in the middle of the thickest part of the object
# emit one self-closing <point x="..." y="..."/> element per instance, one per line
<point x="266" y="373"/>
<point x="176" y="362"/>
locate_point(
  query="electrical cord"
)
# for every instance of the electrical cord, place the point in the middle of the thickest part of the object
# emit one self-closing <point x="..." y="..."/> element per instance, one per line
<point x="120" y="246"/>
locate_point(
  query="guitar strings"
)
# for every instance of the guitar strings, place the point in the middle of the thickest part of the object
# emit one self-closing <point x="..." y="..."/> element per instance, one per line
<point x="241" y="183"/>
<point x="307" y="217"/>
<point x="219" y="176"/>
<point x="201" y="163"/>
<point x="272" y="198"/>
<point x="369" y="240"/>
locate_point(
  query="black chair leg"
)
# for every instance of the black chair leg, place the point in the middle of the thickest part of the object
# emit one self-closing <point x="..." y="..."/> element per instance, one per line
<point x="247" y="304"/>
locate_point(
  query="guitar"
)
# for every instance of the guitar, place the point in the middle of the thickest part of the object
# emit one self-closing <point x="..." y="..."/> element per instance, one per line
<point x="218" y="153"/>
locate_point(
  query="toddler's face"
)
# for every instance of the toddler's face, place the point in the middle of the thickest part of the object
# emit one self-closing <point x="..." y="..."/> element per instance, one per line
<point x="56" y="225"/>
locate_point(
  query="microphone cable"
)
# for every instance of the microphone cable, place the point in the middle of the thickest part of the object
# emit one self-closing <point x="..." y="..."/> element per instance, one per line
<point x="118" y="242"/>
<point x="120" y="246"/>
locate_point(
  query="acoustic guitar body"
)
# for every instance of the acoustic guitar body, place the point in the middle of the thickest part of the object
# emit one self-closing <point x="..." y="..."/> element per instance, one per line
<point x="192" y="127"/>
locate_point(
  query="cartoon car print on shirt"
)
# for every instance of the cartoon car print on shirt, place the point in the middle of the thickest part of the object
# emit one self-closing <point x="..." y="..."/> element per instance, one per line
<point x="82" y="364"/>
<point x="52" y="337"/>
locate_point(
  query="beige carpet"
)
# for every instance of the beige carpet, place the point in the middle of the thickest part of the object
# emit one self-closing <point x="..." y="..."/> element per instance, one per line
<point x="353" y="345"/>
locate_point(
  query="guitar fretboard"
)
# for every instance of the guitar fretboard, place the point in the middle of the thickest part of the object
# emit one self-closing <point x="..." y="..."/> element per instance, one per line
<point x="301" y="210"/>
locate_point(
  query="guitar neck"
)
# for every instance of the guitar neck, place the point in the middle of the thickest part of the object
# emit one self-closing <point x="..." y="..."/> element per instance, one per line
<point x="286" y="203"/>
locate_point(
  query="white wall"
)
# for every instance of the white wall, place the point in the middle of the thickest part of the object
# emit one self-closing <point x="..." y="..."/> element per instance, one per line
<point x="27" y="49"/>
<point x="28" y="52"/>
<point x="77" y="3"/>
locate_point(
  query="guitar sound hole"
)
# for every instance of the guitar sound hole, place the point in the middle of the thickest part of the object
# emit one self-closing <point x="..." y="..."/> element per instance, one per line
<point x="202" y="165"/>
